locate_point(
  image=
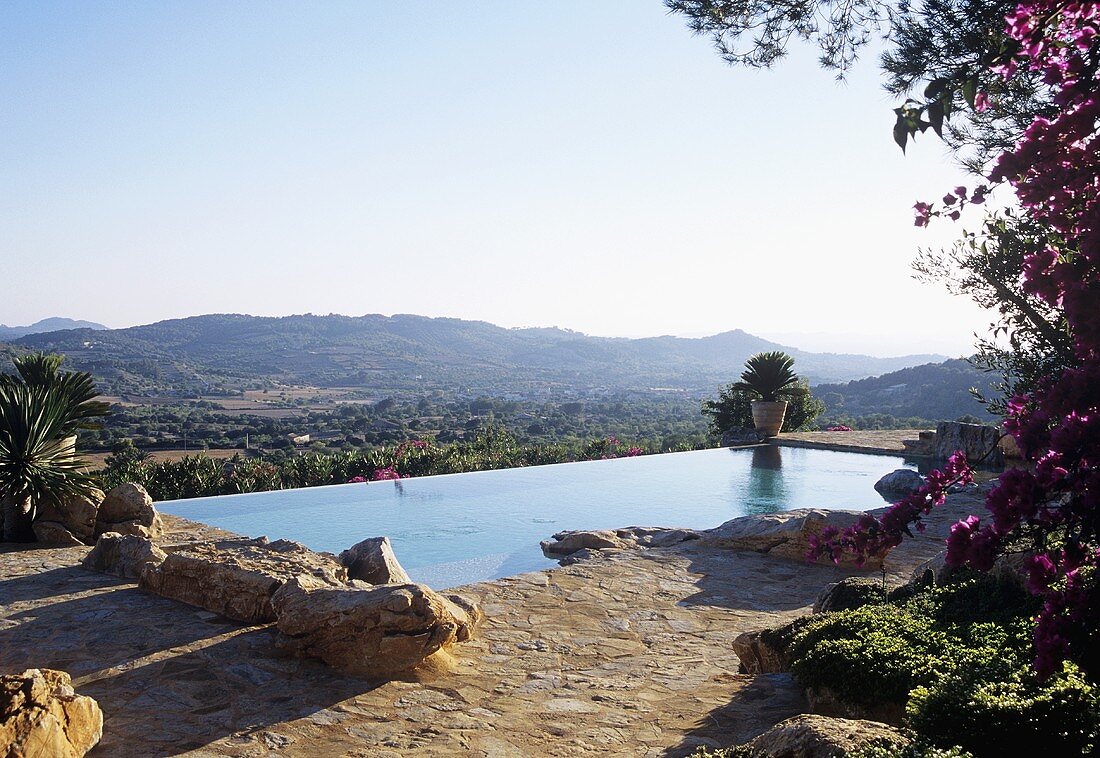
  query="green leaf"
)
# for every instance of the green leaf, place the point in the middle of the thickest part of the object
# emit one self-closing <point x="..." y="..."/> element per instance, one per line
<point x="970" y="90"/>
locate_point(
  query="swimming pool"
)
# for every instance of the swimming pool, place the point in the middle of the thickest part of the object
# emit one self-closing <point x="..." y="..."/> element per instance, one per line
<point x="458" y="528"/>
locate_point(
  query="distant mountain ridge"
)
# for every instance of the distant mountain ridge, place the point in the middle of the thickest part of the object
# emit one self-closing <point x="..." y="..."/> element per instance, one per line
<point x="408" y="352"/>
<point x="931" y="391"/>
<point x="53" y="324"/>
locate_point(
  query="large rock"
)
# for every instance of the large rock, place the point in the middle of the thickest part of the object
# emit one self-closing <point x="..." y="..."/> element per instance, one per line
<point x="813" y="736"/>
<point x="824" y="702"/>
<point x="628" y="538"/>
<point x="742" y="436"/>
<point x="368" y="631"/>
<point x="122" y="555"/>
<point x="979" y="442"/>
<point x="785" y="534"/>
<point x="128" y="509"/>
<point x="77" y="514"/>
<point x="41" y="716"/>
<point x="849" y="593"/>
<point x="238" y="577"/>
<point x="899" y="483"/>
<point x="372" y="561"/>
<point x="54" y="533"/>
<point x="761" y="652"/>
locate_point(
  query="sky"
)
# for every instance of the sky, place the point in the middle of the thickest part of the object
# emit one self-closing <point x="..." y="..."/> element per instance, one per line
<point x="586" y="165"/>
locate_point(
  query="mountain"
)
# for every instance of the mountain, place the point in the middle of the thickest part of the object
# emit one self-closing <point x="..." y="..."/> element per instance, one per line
<point x="404" y="352"/>
<point x="54" y="324"/>
<point x="931" y="391"/>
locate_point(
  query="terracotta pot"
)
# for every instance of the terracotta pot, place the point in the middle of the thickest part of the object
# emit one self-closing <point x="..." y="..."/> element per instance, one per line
<point x="768" y="416"/>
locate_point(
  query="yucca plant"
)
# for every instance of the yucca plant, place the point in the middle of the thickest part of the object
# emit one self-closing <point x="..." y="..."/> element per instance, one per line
<point x="41" y="408"/>
<point x="769" y="375"/>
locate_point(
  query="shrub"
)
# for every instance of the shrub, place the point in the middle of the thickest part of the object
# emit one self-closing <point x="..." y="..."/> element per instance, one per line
<point x="958" y="657"/>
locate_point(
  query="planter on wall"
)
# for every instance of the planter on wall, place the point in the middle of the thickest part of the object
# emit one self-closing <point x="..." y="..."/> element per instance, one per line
<point x="768" y="416"/>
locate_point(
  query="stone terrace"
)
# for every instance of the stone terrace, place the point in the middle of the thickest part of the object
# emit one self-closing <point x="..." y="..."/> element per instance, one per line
<point x="626" y="654"/>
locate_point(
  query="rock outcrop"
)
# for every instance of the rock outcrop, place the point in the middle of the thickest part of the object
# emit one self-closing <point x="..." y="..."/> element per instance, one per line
<point x="123" y="555"/>
<point x="979" y="442"/>
<point x="629" y="538"/>
<point x="75" y="514"/>
<point x="41" y="715"/>
<point x="238" y="577"/>
<point x="761" y="652"/>
<point x="785" y="534"/>
<point x="373" y="561"/>
<point x="370" y="631"/>
<point x="814" y="736"/>
<point x="899" y="483"/>
<point x="128" y="509"/>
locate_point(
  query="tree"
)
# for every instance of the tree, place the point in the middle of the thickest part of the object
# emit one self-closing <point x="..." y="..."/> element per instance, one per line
<point x="1050" y="48"/>
<point x="988" y="268"/>
<point x="41" y="408"/>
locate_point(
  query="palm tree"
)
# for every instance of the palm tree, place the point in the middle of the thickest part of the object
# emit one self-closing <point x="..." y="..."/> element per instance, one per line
<point x="40" y="410"/>
<point x="769" y="375"/>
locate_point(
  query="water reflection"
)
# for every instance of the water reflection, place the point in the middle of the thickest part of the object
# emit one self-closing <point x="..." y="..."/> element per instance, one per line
<point x="767" y="490"/>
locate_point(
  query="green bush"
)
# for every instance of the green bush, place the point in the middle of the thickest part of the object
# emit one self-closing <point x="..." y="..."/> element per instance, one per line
<point x="959" y="658"/>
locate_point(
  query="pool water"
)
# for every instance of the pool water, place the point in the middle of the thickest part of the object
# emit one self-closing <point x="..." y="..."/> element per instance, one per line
<point x="459" y="528"/>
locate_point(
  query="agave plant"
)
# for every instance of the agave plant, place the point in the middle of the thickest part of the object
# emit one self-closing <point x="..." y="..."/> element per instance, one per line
<point x="41" y="408"/>
<point x="769" y="375"/>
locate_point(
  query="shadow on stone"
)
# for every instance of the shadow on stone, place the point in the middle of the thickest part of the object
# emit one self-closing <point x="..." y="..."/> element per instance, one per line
<point x="235" y="687"/>
<point x="766" y="700"/>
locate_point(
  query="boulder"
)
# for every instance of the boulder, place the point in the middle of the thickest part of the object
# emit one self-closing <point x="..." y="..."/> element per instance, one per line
<point x="122" y="555"/>
<point x="899" y="483"/>
<point x="742" y="437"/>
<point x="937" y="564"/>
<point x="370" y="631"/>
<point x="128" y="509"/>
<point x="814" y="736"/>
<point x="238" y="577"/>
<point x="54" y="533"/>
<point x="853" y="592"/>
<point x="628" y="538"/>
<point x="41" y="715"/>
<point x="824" y="702"/>
<point x="979" y="442"/>
<point x="1010" y="567"/>
<point x="761" y="652"/>
<point x="77" y="514"/>
<point x="785" y="534"/>
<point x="372" y="561"/>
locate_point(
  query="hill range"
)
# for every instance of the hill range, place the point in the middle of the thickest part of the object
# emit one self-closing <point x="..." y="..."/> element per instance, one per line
<point x="228" y="352"/>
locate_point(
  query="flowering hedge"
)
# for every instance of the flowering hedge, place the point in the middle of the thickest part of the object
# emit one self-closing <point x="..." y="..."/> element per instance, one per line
<point x="1051" y="510"/>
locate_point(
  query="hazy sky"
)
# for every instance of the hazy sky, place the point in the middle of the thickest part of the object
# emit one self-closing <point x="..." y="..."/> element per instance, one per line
<point x="589" y="165"/>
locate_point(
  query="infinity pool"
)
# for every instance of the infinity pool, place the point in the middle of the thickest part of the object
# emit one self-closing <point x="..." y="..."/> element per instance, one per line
<point x="460" y="528"/>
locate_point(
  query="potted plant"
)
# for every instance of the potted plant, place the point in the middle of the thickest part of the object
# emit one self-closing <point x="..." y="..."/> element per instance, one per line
<point x="768" y="376"/>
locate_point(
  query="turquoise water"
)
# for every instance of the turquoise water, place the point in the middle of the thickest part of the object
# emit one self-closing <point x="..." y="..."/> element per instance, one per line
<point x="459" y="528"/>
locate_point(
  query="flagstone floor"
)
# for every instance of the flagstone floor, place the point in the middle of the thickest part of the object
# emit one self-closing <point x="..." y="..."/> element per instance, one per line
<point x="626" y="654"/>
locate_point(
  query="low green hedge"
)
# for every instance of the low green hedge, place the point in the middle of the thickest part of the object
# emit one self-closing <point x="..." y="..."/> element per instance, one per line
<point x="958" y="657"/>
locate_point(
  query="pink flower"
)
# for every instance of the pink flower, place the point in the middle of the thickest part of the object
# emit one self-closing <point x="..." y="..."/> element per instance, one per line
<point x="357" y="480"/>
<point x="389" y="472"/>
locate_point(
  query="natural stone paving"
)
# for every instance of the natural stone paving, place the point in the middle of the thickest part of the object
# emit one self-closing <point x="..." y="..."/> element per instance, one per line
<point x="627" y="654"/>
<point x="883" y="441"/>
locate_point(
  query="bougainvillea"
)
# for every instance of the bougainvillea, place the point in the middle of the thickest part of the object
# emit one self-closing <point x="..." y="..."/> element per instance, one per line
<point x="1051" y="509"/>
